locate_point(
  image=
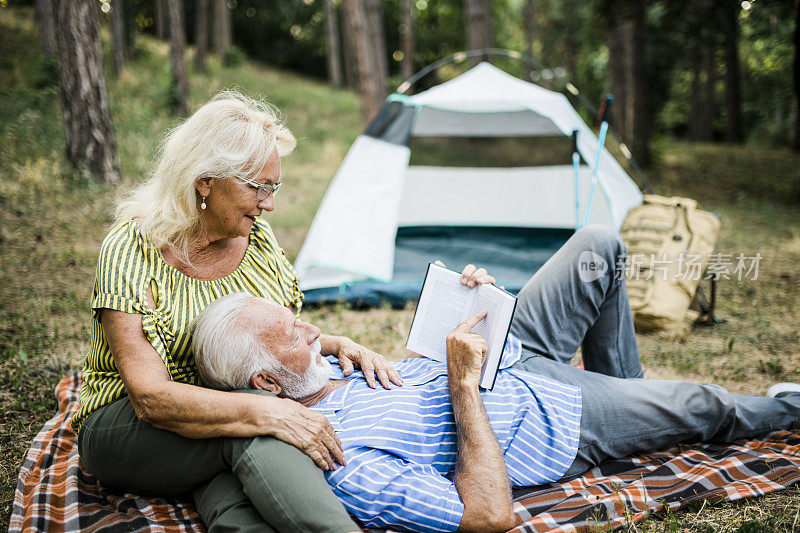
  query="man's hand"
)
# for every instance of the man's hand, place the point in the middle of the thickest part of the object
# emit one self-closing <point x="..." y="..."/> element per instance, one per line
<point x="466" y="352"/>
<point x="351" y="353"/>
<point x="472" y="276"/>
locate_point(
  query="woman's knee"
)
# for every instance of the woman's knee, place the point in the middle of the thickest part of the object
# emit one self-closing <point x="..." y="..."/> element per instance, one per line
<point x="125" y="453"/>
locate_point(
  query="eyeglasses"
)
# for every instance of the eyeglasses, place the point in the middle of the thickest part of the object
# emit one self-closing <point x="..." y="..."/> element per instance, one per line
<point x="263" y="190"/>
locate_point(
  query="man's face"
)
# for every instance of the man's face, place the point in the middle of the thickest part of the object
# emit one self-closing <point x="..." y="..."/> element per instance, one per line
<point x="296" y="346"/>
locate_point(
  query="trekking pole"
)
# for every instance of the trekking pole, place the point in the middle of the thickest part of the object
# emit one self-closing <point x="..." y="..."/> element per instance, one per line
<point x="576" y="178"/>
<point x="604" y="119"/>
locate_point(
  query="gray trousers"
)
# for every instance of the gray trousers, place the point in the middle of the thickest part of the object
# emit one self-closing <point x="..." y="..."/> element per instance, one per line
<point x="570" y="303"/>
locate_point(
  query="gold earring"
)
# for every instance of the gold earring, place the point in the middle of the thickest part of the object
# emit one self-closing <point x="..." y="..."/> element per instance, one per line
<point x="203" y="205"/>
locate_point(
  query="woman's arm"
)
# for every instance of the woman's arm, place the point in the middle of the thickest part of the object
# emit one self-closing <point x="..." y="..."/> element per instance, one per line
<point x="198" y="413"/>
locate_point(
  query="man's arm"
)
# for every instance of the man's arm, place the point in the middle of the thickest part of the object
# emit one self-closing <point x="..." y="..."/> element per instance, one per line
<point x="481" y="478"/>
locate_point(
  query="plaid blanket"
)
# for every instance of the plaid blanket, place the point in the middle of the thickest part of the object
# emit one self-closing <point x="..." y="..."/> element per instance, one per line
<point x="55" y="493"/>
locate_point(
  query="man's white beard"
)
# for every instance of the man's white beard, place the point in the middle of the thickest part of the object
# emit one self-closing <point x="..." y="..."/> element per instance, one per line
<point x="313" y="379"/>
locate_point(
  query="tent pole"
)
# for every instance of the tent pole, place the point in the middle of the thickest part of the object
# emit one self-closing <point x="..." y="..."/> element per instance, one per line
<point x="593" y="185"/>
<point x="576" y="178"/>
<point x="604" y="119"/>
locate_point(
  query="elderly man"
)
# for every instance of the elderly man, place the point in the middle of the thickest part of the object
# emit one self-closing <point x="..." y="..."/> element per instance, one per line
<point x="438" y="454"/>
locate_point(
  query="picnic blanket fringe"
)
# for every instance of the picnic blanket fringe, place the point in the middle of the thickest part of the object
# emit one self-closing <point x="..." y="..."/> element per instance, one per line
<point x="55" y="493"/>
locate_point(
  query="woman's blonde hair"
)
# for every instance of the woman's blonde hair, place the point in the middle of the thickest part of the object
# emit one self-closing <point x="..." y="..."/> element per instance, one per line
<point x="232" y="135"/>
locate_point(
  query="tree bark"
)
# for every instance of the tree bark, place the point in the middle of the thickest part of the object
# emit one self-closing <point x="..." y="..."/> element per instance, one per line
<point x="334" y="52"/>
<point x="733" y="98"/>
<point x="529" y="25"/>
<point x="570" y="40"/>
<point x="616" y="65"/>
<point x="350" y="74"/>
<point x="47" y="27"/>
<point x="626" y="47"/>
<point x="638" y="114"/>
<point x="130" y="13"/>
<point x="201" y="35"/>
<point x="407" y="39"/>
<point x="696" y="102"/>
<point x="118" y="35"/>
<point x="91" y="146"/>
<point x="701" y="121"/>
<point x="177" y="45"/>
<point x="223" y="34"/>
<point x="796" y="74"/>
<point x="355" y="20"/>
<point x="709" y="109"/>
<point x="162" y="21"/>
<point x="478" y="25"/>
<point x="377" y="41"/>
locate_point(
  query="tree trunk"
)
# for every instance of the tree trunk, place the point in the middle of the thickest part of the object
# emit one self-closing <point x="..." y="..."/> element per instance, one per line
<point x="407" y="40"/>
<point x="162" y="21"/>
<point x="570" y="40"/>
<point x="201" y="35"/>
<point x="355" y="20"/>
<point x="334" y="53"/>
<point x="638" y="117"/>
<point x="797" y="74"/>
<point x="696" y="103"/>
<point x="177" y="45"/>
<point x="626" y="49"/>
<point x="529" y="25"/>
<point x="709" y="90"/>
<point x="350" y="75"/>
<point x="701" y="121"/>
<point x="47" y="27"/>
<point x="222" y="27"/>
<point x="478" y="25"/>
<point x="377" y="44"/>
<point x="91" y="146"/>
<point x="616" y="65"/>
<point x="730" y="33"/>
<point x="118" y="35"/>
<point x="130" y="12"/>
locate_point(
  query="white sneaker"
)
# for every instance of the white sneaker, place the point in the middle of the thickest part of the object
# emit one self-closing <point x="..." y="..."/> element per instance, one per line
<point x="779" y="390"/>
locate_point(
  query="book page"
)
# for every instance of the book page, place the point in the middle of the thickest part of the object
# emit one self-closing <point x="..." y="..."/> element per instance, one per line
<point x="484" y="302"/>
<point x="499" y="306"/>
<point x="443" y="305"/>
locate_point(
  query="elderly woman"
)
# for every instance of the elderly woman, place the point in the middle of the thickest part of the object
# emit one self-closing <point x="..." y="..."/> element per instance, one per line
<point x="187" y="236"/>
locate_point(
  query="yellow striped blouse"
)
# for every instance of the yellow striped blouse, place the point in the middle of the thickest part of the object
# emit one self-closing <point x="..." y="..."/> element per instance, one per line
<point x="128" y="263"/>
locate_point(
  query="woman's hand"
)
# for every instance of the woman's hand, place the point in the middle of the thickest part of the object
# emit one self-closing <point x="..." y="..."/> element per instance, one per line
<point x="351" y="353"/>
<point x="308" y="431"/>
<point x="472" y="276"/>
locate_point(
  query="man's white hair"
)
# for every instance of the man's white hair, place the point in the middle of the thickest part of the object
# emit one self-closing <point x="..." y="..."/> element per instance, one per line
<point x="226" y="351"/>
<point x="232" y="135"/>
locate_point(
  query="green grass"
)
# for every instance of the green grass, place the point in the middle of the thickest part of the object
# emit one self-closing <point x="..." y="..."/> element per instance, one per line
<point x="52" y="222"/>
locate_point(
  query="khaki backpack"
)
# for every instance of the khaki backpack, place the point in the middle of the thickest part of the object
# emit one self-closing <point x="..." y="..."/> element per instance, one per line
<point x="669" y="243"/>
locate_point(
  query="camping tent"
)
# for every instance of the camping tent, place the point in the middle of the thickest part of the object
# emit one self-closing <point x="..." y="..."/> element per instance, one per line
<point x="413" y="189"/>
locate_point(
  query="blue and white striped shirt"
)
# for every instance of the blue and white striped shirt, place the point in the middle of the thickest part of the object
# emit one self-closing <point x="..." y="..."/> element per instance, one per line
<point x="400" y="444"/>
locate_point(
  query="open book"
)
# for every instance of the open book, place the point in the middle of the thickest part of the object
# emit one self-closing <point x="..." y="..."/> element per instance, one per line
<point x="445" y="303"/>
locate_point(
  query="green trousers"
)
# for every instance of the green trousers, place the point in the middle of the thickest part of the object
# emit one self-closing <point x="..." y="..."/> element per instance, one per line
<point x="255" y="484"/>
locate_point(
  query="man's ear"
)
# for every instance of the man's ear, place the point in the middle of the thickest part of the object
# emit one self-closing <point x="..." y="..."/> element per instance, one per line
<point x="267" y="381"/>
<point x="203" y="185"/>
